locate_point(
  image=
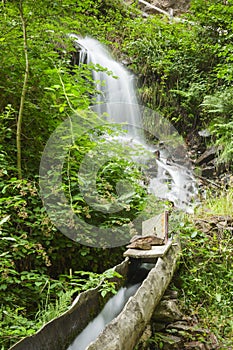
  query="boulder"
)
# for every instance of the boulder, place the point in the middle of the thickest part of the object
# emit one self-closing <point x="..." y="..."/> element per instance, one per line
<point x="207" y="156"/>
<point x="167" y="311"/>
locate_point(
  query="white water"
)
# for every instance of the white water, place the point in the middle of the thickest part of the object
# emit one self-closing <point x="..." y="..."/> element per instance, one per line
<point x="113" y="307"/>
<point x="118" y="102"/>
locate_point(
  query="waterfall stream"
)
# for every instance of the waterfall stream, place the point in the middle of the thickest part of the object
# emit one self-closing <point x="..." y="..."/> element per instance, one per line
<point x="117" y="97"/>
<point x="167" y="179"/>
<point x="117" y="101"/>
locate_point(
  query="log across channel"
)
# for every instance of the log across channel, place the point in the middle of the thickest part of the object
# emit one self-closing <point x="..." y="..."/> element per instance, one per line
<point x="124" y="331"/>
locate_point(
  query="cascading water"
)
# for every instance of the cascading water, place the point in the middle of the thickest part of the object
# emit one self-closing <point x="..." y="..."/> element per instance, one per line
<point x="117" y="101"/>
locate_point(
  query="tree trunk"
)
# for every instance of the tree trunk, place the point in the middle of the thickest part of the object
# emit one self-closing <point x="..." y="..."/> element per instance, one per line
<point x="23" y="93"/>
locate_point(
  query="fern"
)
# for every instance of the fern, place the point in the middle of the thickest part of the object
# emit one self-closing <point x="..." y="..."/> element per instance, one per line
<point x="224" y="139"/>
<point x="221" y="103"/>
<point x="53" y="310"/>
<point x="80" y="281"/>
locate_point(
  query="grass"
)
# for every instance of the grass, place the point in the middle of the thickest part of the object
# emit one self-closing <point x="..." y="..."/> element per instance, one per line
<point x="219" y="204"/>
<point x="206" y="268"/>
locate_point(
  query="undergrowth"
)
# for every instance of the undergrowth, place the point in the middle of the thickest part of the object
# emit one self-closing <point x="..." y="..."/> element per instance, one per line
<point x="206" y="268"/>
<point x="221" y="204"/>
<point x="15" y="323"/>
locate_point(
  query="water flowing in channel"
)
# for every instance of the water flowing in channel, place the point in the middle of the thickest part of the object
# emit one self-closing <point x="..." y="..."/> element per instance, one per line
<point x="117" y="102"/>
<point x="113" y="307"/>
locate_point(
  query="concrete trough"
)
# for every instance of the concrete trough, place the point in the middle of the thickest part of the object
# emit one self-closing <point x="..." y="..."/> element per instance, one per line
<point x="61" y="331"/>
<point x="124" y="332"/>
<point x="126" y="329"/>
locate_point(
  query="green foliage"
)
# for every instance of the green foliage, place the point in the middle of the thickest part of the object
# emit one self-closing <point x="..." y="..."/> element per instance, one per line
<point x="35" y="257"/>
<point x="84" y="280"/>
<point x="219" y="203"/>
<point x="224" y="139"/>
<point x="51" y="78"/>
<point x="173" y="73"/>
<point x="6" y="124"/>
<point x="206" y="278"/>
<point x="220" y="105"/>
<point x="115" y="184"/>
<point x="14" y="325"/>
<point x="173" y="76"/>
<point x="215" y="17"/>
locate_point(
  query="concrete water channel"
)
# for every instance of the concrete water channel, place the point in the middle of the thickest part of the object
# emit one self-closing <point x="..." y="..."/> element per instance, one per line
<point x="125" y="329"/>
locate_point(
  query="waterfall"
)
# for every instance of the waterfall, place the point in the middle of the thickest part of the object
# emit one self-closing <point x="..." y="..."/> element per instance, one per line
<point x="117" y="101"/>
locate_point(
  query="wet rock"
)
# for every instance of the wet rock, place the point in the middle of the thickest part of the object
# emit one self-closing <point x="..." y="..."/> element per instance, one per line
<point x="226" y="180"/>
<point x="207" y="156"/>
<point x="204" y="133"/>
<point x="213" y="341"/>
<point x="143" y="342"/>
<point x="177" y="6"/>
<point x="208" y="172"/>
<point x="215" y="224"/>
<point x="167" y="311"/>
<point x="191" y="333"/>
<point x="203" y="225"/>
<point x="180" y="325"/>
<point x="184" y="334"/>
<point x="172" y="342"/>
<point x="139" y="245"/>
<point x="159" y="326"/>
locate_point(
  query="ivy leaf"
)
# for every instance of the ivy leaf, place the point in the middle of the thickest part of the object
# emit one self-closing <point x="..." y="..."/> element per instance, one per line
<point x="38" y="284"/>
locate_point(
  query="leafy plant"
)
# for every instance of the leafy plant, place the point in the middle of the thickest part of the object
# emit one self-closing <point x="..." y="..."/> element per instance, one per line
<point x="221" y="107"/>
<point x="220" y="103"/>
<point x="206" y="278"/>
